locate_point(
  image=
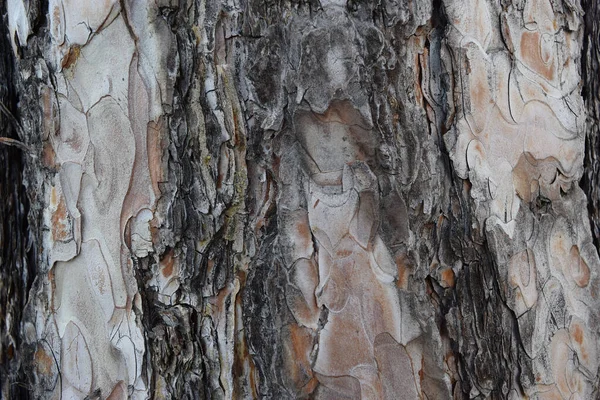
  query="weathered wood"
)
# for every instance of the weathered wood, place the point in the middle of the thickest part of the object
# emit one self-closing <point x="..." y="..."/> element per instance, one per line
<point x="300" y="199"/>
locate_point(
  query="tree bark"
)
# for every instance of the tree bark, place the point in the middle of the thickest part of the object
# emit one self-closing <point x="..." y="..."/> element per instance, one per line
<point x="328" y="199"/>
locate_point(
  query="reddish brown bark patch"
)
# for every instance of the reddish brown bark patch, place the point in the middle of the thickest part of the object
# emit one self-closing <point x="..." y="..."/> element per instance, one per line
<point x="531" y="54"/>
<point x="60" y="227"/>
<point x="43" y="361"/>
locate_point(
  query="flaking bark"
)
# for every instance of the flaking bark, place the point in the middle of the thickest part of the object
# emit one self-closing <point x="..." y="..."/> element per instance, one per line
<point x="299" y="199"/>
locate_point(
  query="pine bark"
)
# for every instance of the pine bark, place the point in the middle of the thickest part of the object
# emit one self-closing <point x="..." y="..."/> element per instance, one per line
<point x="328" y="199"/>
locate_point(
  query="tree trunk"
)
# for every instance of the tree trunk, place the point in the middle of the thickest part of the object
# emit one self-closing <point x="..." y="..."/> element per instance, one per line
<point x="299" y="199"/>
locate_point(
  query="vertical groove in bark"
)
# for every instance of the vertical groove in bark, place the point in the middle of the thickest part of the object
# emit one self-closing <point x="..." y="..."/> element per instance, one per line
<point x="17" y="245"/>
<point x="21" y="208"/>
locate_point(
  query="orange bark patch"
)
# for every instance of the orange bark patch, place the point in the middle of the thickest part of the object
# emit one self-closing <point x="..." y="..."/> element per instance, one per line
<point x="48" y="156"/>
<point x="523" y="174"/>
<point x="60" y="228"/>
<point x="403" y="270"/>
<point x="303" y="229"/>
<point x="167" y="263"/>
<point x="578" y="334"/>
<point x="579" y="268"/>
<point x="302" y="234"/>
<point x="43" y="361"/>
<point x="343" y="253"/>
<point x="448" y="277"/>
<point x="70" y="59"/>
<point x="480" y="92"/>
<point x="56" y="15"/>
<point x="531" y="54"/>
<point x="310" y="386"/>
<point x="300" y="342"/>
<point x="297" y="361"/>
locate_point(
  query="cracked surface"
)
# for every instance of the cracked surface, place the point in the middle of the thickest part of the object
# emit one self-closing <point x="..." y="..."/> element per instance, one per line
<point x="519" y="140"/>
<point x="306" y="199"/>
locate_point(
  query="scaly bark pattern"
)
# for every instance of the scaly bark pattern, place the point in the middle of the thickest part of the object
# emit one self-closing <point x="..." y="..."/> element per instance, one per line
<point x="303" y="199"/>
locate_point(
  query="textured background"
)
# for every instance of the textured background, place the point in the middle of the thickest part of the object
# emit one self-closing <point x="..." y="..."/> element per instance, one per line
<point x="299" y="199"/>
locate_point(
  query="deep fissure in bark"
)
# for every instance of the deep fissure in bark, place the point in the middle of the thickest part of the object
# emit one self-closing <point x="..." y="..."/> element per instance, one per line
<point x="590" y="90"/>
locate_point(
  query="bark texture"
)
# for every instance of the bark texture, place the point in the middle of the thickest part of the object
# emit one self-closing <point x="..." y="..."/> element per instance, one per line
<point x="300" y="199"/>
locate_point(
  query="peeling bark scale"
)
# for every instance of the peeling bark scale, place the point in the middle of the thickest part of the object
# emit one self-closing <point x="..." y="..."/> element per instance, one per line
<point x="334" y="199"/>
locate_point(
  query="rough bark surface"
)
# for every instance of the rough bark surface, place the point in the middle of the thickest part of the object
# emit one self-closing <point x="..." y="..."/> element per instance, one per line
<point x="299" y="199"/>
<point x="17" y="240"/>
